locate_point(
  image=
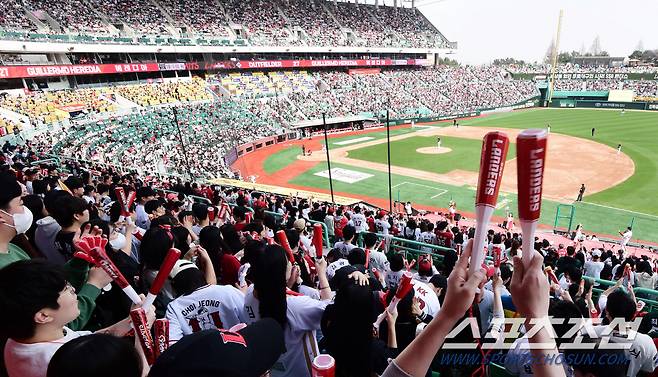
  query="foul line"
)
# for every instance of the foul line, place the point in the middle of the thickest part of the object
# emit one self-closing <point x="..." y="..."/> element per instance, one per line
<point x="618" y="209"/>
<point x="442" y="191"/>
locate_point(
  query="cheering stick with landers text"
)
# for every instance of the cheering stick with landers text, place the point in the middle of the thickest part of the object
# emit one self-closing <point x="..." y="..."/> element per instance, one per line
<point x="492" y="164"/>
<point x="170" y="259"/>
<point x="530" y="159"/>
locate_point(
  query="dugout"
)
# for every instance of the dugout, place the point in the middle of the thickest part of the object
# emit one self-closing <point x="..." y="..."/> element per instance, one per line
<point x="313" y="127"/>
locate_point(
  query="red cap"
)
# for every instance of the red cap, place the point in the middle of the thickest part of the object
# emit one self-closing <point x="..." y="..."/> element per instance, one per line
<point x="492" y="163"/>
<point x="531" y="160"/>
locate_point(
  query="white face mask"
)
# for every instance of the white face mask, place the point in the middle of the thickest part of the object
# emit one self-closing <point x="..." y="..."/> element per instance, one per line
<point x="22" y="221"/>
<point x="118" y="242"/>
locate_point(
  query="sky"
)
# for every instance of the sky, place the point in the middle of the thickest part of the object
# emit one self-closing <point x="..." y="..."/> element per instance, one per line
<point x="523" y="29"/>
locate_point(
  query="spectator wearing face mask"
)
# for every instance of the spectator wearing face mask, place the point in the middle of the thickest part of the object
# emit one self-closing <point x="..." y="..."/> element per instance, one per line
<point x="15" y="219"/>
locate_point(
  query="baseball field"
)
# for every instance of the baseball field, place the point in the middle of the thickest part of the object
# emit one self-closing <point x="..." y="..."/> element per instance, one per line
<point x="621" y="188"/>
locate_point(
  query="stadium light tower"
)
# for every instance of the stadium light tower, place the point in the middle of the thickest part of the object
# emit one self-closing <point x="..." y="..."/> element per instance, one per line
<point x="556" y="49"/>
<point x="326" y="147"/>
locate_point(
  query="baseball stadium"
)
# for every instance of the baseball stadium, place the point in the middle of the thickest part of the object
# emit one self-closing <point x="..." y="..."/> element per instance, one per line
<point x="329" y="185"/>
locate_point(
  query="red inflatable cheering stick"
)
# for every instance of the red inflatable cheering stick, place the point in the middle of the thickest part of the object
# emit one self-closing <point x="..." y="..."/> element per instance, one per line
<point x="551" y="275"/>
<point x="497" y="259"/>
<point x="283" y="241"/>
<point x="142" y="332"/>
<point x="530" y="159"/>
<point x="161" y="336"/>
<point x="404" y="287"/>
<point x="125" y="201"/>
<point x="317" y="240"/>
<point x="163" y="274"/>
<point x="492" y="164"/>
<point x="94" y="247"/>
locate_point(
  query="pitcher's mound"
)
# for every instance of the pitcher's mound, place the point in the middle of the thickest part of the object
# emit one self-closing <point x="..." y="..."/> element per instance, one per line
<point x="433" y="150"/>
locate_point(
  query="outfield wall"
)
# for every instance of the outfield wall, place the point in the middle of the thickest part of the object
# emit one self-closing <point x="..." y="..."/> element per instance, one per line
<point x="573" y="103"/>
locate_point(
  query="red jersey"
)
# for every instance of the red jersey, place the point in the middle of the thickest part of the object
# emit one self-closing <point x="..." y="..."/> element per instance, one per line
<point x="444" y="238"/>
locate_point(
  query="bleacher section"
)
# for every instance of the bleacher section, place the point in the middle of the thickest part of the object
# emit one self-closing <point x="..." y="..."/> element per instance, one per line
<point x="149" y="139"/>
<point x="151" y="95"/>
<point x="55" y="106"/>
<point x="209" y="22"/>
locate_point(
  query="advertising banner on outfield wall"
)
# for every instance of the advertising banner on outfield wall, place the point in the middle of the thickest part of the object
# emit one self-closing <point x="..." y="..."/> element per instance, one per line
<point x="588" y="76"/>
<point x="28" y="71"/>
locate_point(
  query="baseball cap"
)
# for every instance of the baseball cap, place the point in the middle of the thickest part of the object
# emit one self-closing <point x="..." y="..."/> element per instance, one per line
<point x="299" y="224"/>
<point x="181" y="265"/>
<point x="596" y="253"/>
<point x="248" y="352"/>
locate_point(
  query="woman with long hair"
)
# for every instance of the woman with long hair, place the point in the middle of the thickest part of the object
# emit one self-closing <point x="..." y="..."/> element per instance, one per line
<point x="347" y="326"/>
<point x="299" y="315"/>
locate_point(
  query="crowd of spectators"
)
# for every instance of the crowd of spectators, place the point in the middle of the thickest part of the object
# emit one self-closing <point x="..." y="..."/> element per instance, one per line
<point x="264" y="22"/>
<point x="410" y="25"/>
<point x="8" y="126"/>
<point x="413" y="93"/>
<point x="142" y="16"/>
<point x="204" y="16"/>
<point x="357" y="18"/>
<point x="318" y="25"/>
<point x="151" y="140"/>
<point x="68" y="317"/>
<point x="260" y="19"/>
<point x="168" y="92"/>
<point x="74" y="15"/>
<point x="12" y="16"/>
<point x="48" y="107"/>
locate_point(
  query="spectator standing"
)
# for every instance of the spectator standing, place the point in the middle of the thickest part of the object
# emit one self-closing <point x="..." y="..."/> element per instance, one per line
<point x="594" y="267"/>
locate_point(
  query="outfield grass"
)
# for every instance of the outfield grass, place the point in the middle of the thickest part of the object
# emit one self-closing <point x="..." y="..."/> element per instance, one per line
<point x="465" y="154"/>
<point x="637" y="131"/>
